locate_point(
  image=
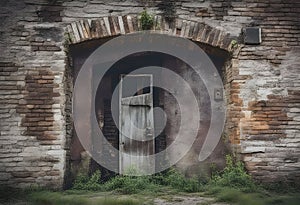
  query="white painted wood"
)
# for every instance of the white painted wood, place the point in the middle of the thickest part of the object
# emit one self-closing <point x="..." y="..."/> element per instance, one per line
<point x="136" y="128"/>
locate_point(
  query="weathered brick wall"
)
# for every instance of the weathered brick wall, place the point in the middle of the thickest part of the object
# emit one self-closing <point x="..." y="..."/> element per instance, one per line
<point x="262" y="82"/>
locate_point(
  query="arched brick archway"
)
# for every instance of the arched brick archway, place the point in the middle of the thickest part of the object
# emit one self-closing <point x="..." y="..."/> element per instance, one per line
<point x="80" y="32"/>
<point x="111" y="26"/>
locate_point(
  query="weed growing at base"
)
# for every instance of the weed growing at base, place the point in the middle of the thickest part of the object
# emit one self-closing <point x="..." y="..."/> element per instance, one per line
<point x="232" y="185"/>
<point x="233" y="176"/>
<point x="137" y="184"/>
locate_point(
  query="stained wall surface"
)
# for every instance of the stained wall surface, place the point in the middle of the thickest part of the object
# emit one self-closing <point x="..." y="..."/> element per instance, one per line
<point x="262" y="81"/>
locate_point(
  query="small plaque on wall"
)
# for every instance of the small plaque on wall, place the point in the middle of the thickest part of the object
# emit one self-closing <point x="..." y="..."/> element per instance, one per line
<point x="252" y="35"/>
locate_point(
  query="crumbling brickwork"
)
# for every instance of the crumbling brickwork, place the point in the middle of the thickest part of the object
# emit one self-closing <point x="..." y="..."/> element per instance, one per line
<point x="262" y="81"/>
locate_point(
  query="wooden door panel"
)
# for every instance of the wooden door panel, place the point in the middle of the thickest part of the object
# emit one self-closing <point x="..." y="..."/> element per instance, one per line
<point x="137" y="129"/>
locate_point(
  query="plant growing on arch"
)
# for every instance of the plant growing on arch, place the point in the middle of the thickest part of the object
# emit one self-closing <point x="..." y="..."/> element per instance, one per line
<point x="147" y="20"/>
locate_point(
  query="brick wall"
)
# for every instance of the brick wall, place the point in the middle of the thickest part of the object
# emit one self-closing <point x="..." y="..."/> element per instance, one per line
<point x="262" y="81"/>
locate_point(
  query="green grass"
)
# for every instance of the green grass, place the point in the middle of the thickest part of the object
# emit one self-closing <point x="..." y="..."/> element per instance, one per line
<point x="236" y="196"/>
<point x="234" y="176"/>
<point x="83" y="197"/>
<point x="60" y="198"/>
<point x="139" y="184"/>
<point x="232" y="185"/>
<point x="70" y="197"/>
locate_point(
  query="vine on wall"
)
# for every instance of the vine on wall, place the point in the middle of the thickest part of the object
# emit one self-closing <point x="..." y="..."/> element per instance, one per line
<point x="168" y="9"/>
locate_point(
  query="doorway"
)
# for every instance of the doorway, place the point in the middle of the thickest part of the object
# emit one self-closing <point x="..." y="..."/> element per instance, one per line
<point x="135" y="106"/>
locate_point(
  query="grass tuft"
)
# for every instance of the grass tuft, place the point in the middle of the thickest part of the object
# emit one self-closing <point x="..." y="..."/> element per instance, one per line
<point x="139" y="184"/>
<point x="235" y="176"/>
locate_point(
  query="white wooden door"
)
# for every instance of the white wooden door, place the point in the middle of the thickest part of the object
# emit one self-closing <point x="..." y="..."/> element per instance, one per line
<point x="136" y="124"/>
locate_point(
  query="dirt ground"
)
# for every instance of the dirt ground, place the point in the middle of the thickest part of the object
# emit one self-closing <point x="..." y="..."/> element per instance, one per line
<point x="186" y="200"/>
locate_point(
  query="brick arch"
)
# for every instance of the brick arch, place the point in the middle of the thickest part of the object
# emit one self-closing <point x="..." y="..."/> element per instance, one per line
<point x="111" y="26"/>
